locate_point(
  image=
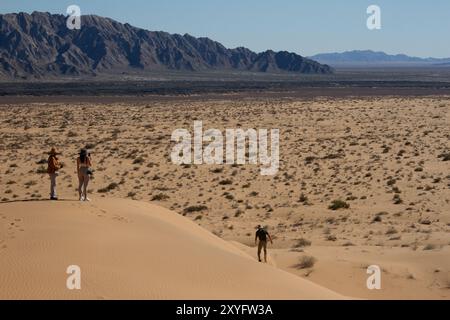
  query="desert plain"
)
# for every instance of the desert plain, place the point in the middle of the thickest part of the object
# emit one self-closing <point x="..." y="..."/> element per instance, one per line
<point x="362" y="181"/>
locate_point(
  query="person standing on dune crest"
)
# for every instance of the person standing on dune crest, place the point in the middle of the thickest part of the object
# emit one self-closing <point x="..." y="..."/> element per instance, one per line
<point x="84" y="171"/>
<point x="52" y="170"/>
<point x="262" y="235"/>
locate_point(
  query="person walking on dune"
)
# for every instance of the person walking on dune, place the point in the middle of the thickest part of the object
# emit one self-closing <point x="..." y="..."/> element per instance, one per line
<point x="52" y="170"/>
<point x="84" y="165"/>
<point x="262" y="235"/>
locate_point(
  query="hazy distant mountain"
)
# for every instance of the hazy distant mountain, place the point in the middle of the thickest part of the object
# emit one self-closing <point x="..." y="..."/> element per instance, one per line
<point x="40" y="45"/>
<point x="369" y="57"/>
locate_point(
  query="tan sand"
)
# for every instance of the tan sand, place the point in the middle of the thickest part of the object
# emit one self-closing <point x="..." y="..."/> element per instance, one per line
<point x="383" y="156"/>
<point x="405" y="274"/>
<point x="129" y="250"/>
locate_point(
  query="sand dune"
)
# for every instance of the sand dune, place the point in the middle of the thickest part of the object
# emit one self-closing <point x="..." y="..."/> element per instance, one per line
<point x="129" y="250"/>
<point x="405" y="274"/>
<point x="386" y="158"/>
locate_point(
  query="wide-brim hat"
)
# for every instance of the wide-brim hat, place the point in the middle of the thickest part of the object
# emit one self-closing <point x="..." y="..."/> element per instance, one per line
<point x="53" y="151"/>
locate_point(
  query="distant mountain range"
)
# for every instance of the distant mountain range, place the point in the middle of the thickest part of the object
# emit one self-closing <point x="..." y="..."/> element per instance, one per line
<point x="369" y="57"/>
<point x="39" y="45"/>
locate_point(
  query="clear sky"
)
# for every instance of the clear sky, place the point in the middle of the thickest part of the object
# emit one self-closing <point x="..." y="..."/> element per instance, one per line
<point x="414" y="27"/>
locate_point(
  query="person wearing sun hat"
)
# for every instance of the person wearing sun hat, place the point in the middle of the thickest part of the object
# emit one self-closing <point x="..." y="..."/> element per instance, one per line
<point x="53" y="167"/>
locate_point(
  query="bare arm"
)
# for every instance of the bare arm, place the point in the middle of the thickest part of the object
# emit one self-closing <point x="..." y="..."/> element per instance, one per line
<point x="78" y="166"/>
<point x="270" y="238"/>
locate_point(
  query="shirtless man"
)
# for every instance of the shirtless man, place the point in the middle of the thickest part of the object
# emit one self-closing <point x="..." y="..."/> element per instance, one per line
<point x="262" y="235"/>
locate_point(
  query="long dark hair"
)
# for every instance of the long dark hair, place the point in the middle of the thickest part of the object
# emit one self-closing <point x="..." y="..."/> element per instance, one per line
<point x="83" y="156"/>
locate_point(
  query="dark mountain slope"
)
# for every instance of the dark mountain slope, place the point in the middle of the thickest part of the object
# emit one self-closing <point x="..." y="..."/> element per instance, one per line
<point x="40" y="45"/>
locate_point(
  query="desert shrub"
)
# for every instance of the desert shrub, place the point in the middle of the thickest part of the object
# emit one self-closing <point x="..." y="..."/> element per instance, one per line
<point x="41" y="170"/>
<point x="30" y="183"/>
<point x="303" y="199"/>
<point x="306" y="262"/>
<point x="391" y="230"/>
<point x="338" y="204"/>
<point x="302" y="243"/>
<point x="309" y="159"/>
<point x="225" y="182"/>
<point x="238" y="213"/>
<point x="391" y="182"/>
<point x="397" y="199"/>
<point x="429" y="247"/>
<point x="229" y="196"/>
<point x="445" y="156"/>
<point x="160" y="197"/>
<point x="197" y="208"/>
<point x="139" y="160"/>
<point x="108" y="188"/>
<point x="377" y="218"/>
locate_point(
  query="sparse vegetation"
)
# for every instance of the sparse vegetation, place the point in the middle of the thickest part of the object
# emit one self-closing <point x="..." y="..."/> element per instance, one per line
<point x="302" y="243"/>
<point x="225" y="182"/>
<point x="445" y="156"/>
<point x="338" y="204"/>
<point x="306" y="262"/>
<point x="430" y="247"/>
<point x="160" y="197"/>
<point x="108" y="188"/>
<point x="41" y="170"/>
<point x="303" y="199"/>
<point x="397" y="199"/>
<point x="196" y="208"/>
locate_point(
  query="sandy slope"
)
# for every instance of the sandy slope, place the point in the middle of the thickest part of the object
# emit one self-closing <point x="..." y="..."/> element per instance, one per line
<point x="129" y="249"/>
<point x="405" y="274"/>
<point x="386" y="157"/>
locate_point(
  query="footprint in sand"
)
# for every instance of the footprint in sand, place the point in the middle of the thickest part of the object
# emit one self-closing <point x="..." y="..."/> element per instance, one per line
<point x="102" y="214"/>
<point x="121" y="219"/>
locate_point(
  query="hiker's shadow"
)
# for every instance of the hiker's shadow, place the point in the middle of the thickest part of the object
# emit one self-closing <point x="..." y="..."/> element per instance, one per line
<point x="38" y="200"/>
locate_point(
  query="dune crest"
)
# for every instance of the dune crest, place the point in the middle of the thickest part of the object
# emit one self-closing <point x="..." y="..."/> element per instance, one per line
<point x="129" y="250"/>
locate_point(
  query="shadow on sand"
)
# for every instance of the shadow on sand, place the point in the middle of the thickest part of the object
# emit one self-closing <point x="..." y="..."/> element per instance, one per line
<point x="38" y="200"/>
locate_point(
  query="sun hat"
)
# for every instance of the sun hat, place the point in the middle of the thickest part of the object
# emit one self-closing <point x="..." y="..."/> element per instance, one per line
<point x="53" y="151"/>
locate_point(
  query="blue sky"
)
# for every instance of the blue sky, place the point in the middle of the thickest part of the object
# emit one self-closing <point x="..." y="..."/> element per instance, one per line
<point x="415" y="27"/>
